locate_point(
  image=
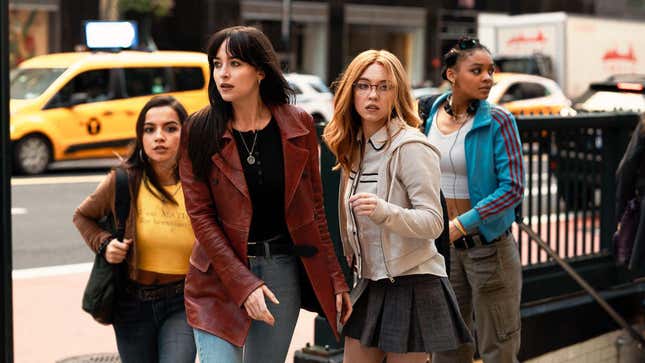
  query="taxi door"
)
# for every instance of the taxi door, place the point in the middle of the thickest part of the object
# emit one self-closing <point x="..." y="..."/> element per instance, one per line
<point x="82" y="115"/>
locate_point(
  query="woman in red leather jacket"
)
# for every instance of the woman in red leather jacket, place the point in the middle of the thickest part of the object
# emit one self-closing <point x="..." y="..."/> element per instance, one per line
<point x="250" y="173"/>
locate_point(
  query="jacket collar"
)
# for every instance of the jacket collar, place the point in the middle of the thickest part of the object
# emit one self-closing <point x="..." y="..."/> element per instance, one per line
<point x="288" y="122"/>
<point x="384" y="134"/>
<point x="482" y="116"/>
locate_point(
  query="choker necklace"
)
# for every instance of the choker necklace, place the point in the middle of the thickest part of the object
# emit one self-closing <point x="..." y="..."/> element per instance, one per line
<point x="249" y="159"/>
<point x="472" y="108"/>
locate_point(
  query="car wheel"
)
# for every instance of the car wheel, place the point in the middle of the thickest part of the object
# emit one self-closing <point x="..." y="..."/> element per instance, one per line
<point x="32" y="155"/>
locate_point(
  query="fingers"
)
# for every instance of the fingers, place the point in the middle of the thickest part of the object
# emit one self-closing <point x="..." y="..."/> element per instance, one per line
<point x="269" y="294"/>
<point x="339" y="303"/>
<point x="363" y="203"/>
<point x="347" y="308"/>
<point x="256" y="306"/>
<point x="116" y="251"/>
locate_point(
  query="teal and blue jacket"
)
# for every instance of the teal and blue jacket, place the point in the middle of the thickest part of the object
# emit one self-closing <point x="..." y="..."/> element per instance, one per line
<point x="495" y="169"/>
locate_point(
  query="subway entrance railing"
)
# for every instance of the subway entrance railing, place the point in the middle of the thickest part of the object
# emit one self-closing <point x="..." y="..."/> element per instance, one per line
<point x="570" y="203"/>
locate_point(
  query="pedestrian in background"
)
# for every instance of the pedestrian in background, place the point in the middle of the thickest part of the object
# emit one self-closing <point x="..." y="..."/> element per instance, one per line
<point x="252" y="183"/>
<point x="149" y="319"/>
<point x="482" y="177"/>
<point x="390" y="213"/>
<point x="630" y="193"/>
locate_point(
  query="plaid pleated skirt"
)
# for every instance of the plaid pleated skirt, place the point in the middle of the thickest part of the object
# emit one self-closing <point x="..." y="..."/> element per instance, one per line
<point x="415" y="313"/>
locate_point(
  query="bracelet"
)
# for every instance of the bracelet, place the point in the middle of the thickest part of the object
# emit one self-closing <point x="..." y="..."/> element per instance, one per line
<point x="459" y="226"/>
<point x="103" y="246"/>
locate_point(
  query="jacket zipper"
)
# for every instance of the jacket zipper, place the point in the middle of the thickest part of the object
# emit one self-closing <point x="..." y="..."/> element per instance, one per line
<point x="387" y="199"/>
<point x="357" y="240"/>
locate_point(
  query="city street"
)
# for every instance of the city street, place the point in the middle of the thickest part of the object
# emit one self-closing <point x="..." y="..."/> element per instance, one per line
<point x="51" y="265"/>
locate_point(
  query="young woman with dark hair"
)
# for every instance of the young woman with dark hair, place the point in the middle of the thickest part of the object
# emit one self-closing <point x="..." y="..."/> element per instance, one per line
<point x="253" y="191"/>
<point x="482" y="178"/>
<point x="150" y="319"/>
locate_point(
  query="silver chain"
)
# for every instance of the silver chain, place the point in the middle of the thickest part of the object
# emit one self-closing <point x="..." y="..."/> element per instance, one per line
<point x="249" y="159"/>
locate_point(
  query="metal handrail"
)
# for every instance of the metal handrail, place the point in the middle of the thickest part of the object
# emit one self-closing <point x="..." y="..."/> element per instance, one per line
<point x="640" y="338"/>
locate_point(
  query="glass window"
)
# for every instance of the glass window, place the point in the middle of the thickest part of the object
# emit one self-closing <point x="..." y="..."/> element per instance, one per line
<point x="319" y="87"/>
<point x="188" y="78"/>
<point x="30" y="83"/>
<point x="295" y="88"/>
<point x="146" y="81"/>
<point x="523" y="91"/>
<point x="87" y="87"/>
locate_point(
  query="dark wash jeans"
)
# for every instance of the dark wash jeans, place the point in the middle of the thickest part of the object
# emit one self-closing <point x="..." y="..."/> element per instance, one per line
<point x="153" y="331"/>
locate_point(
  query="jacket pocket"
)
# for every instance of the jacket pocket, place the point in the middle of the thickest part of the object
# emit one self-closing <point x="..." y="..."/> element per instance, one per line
<point x="199" y="259"/>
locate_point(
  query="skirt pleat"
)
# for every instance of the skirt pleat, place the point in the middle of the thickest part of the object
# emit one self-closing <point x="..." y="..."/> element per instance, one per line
<point x="416" y="313"/>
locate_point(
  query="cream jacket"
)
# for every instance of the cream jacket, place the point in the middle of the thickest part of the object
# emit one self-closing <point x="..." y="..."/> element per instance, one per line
<point x="408" y="208"/>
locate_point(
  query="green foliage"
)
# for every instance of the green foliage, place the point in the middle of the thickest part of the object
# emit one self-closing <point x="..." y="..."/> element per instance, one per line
<point x="158" y="8"/>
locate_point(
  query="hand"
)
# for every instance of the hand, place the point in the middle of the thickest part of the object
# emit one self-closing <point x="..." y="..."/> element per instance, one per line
<point x="256" y="307"/>
<point x="363" y="204"/>
<point x="343" y="306"/>
<point x="116" y="251"/>
<point x="350" y="261"/>
<point x="453" y="232"/>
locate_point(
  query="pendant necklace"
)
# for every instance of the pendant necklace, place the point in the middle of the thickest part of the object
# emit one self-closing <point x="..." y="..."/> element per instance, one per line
<point x="249" y="159"/>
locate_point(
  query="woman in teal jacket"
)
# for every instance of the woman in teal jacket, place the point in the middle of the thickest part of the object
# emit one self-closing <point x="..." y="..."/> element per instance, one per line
<point x="483" y="181"/>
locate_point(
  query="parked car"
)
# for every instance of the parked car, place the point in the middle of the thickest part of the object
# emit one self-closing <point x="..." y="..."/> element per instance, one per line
<point x="623" y="92"/>
<point x="84" y="105"/>
<point x="525" y="94"/>
<point x="312" y="95"/>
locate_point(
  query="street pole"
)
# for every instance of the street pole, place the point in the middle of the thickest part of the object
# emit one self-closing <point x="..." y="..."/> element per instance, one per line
<point x="6" y="314"/>
<point x="286" y="31"/>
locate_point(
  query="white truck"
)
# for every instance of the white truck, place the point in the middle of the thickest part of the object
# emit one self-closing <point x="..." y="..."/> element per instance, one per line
<point x="583" y="49"/>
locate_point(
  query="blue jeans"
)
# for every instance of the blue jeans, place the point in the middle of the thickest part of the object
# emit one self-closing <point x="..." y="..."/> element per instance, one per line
<point x="264" y="344"/>
<point x="153" y="331"/>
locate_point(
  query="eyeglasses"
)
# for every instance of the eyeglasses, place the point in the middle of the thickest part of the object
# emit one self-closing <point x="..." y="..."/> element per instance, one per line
<point x="467" y="43"/>
<point x="365" y="87"/>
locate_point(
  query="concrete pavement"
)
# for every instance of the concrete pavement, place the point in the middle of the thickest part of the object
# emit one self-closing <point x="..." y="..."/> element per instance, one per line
<point x="50" y="326"/>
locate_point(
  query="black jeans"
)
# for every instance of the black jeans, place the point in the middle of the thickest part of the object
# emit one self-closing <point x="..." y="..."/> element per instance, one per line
<point x="153" y="331"/>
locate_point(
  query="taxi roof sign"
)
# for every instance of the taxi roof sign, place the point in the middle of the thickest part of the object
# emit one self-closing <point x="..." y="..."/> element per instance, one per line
<point x="110" y="34"/>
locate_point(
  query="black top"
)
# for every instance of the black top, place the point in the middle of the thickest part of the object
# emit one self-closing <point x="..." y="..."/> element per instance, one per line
<point x="265" y="181"/>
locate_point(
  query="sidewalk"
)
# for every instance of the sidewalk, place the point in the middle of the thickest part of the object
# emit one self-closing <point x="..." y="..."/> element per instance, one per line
<point x="49" y="324"/>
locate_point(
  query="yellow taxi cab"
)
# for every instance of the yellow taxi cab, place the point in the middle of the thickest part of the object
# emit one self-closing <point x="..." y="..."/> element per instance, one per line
<point x="82" y="105"/>
<point x="525" y="94"/>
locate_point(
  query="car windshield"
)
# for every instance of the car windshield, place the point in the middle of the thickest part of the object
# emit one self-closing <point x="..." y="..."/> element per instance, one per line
<point x="319" y="86"/>
<point x="30" y="83"/>
<point x="613" y="101"/>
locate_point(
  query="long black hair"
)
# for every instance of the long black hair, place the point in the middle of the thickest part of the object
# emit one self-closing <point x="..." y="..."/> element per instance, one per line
<point x="206" y="128"/>
<point x="464" y="46"/>
<point x="137" y="162"/>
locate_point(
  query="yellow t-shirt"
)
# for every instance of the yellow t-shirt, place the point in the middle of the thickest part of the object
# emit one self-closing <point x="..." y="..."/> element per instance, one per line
<point x="164" y="235"/>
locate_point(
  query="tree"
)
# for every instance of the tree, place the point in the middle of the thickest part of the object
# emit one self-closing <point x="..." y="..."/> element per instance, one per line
<point x="143" y="11"/>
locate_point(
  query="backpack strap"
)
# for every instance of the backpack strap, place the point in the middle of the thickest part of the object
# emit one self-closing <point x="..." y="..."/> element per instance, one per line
<point x="424" y="107"/>
<point x="121" y="202"/>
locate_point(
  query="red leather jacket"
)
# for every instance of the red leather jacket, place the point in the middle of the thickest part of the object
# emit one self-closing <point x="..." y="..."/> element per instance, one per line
<point x="219" y="280"/>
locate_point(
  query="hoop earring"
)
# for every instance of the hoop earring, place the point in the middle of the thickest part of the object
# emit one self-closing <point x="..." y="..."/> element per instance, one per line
<point x="143" y="160"/>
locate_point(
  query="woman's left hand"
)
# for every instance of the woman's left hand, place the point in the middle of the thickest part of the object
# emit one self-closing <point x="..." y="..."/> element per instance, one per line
<point x="454" y="232"/>
<point x="363" y="204"/>
<point x="343" y="306"/>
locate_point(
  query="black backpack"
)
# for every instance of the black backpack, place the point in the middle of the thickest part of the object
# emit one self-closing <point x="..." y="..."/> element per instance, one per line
<point x="443" y="242"/>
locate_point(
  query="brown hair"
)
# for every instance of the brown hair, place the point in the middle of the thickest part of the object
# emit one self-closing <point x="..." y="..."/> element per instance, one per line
<point x="137" y="162"/>
<point x="341" y="132"/>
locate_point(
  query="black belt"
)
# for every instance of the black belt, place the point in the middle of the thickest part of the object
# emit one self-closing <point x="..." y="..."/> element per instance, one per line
<point x="279" y="245"/>
<point x="154" y="292"/>
<point x="476" y="240"/>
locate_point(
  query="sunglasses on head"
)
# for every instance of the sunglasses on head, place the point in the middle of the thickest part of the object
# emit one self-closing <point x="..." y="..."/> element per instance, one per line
<point x="464" y="44"/>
